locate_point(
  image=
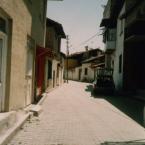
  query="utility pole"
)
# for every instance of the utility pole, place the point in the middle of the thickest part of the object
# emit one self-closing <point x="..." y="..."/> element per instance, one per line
<point x="67" y="54"/>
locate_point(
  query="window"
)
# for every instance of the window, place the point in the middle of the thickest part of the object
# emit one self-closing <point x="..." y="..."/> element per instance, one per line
<point x="30" y="42"/>
<point x="86" y="71"/>
<point x="104" y="36"/>
<point x="2" y="25"/>
<point x="29" y="63"/>
<point x="49" y="70"/>
<point x="112" y="63"/>
<point x="121" y="26"/>
<point x="111" y="35"/>
<point x="30" y="55"/>
<point x="120" y="63"/>
<point x="57" y="71"/>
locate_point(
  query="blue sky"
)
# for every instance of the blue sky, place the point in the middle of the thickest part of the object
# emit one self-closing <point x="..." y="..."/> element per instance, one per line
<point x="80" y="20"/>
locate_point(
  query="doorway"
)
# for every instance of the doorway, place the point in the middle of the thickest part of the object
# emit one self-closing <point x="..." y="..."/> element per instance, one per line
<point x="80" y="72"/>
<point x="29" y="71"/>
<point x="3" y="62"/>
<point x="53" y="78"/>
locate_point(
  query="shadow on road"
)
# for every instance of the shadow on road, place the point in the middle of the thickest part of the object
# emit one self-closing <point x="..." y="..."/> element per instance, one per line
<point x="89" y="88"/>
<point x="138" y="142"/>
<point x="132" y="107"/>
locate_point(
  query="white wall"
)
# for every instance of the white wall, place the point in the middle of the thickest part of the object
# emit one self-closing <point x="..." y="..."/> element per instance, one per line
<point x="118" y="77"/>
<point x="90" y="75"/>
<point x="59" y="80"/>
<point x="73" y="74"/>
<point x="70" y="74"/>
<point x="54" y="68"/>
<point x="76" y="75"/>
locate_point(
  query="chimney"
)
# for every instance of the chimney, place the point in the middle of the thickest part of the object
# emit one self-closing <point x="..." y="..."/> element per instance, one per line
<point x="86" y="48"/>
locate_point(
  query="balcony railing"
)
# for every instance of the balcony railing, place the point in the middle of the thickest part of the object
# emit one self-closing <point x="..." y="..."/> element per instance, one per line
<point x="135" y="32"/>
<point x="110" y="46"/>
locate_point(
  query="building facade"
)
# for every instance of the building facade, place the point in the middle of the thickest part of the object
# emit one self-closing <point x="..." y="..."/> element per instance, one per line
<point x="82" y="66"/>
<point x="134" y="46"/>
<point x="50" y="60"/>
<point x="129" y="51"/>
<point x="17" y="51"/>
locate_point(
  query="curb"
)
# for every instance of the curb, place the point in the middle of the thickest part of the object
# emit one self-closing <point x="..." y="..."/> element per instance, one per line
<point x="45" y="95"/>
<point x="42" y="99"/>
<point x="4" y="139"/>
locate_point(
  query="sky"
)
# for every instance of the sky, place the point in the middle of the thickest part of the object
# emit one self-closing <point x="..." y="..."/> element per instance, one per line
<point x="80" y="20"/>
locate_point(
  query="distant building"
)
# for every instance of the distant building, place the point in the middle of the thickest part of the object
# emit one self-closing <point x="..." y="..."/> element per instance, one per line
<point x="82" y="65"/>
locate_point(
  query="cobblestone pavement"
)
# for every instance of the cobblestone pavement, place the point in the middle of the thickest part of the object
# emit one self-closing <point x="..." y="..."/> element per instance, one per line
<point x="72" y="117"/>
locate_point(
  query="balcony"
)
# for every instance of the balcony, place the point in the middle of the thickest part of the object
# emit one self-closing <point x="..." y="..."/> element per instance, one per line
<point x="110" y="46"/>
<point x="110" y="40"/>
<point x="99" y="62"/>
<point x="135" y="32"/>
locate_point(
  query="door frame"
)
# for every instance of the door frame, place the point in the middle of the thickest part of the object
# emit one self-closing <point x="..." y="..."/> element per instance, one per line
<point x="3" y="36"/>
<point x="54" y="78"/>
<point x="30" y="70"/>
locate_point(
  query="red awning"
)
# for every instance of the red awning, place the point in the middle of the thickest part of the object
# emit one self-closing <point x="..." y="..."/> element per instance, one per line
<point x="41" y="52"/>
<point x="97" y="65"/>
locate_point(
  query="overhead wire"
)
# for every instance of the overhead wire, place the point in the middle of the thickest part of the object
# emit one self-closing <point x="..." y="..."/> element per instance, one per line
<point x="90" y="38"/>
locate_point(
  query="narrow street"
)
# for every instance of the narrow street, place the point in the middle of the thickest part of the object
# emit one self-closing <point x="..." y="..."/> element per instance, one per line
<point x="72" y="117"/>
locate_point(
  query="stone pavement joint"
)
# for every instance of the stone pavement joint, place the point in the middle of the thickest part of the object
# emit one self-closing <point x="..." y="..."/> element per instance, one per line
<point x="71" y="117"/>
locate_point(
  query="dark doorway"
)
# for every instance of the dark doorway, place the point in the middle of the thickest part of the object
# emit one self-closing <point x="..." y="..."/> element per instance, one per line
<point x="80" y="72"/>
<point x="53" y="78"/>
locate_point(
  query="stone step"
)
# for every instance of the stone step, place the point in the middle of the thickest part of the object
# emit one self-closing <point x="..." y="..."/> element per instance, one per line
<point x="35" y="109"/>
<point x="7" y="120"/>
<point x="10" y="123"/>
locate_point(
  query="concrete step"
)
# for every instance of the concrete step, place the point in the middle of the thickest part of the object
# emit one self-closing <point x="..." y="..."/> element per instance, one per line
<point x="35" y="109"/>
<point x="7" y="120"/>
<point x="10" y="123"/>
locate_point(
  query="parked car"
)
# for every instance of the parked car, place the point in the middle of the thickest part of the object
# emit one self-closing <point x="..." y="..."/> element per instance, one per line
<point x="104" y="81"/>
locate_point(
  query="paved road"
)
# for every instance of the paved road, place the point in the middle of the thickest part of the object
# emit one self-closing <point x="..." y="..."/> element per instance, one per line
<point x="72" y="117"/>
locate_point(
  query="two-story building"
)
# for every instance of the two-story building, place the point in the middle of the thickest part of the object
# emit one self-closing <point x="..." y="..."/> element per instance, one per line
<point x="21" y="29"/>
<point x="128" y="55"/>
<point x="54" y="34"/>
<point x="113" y="39"/>
<point x="82" y="66"/>
<point x="50" y="60"/>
